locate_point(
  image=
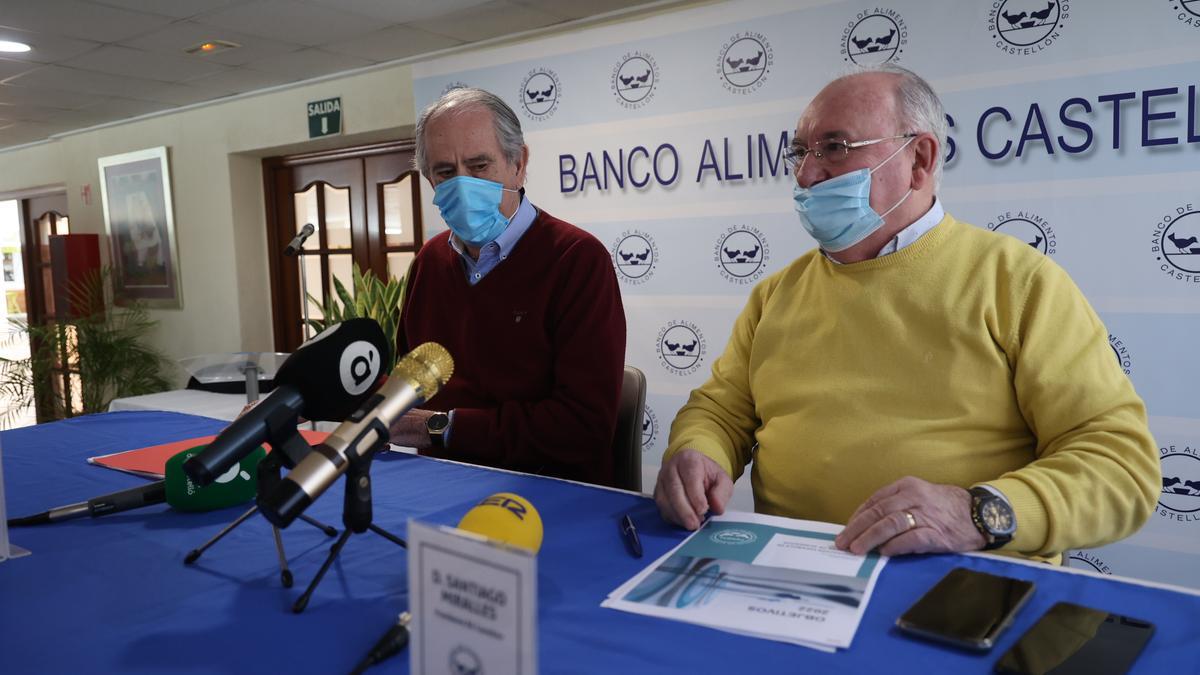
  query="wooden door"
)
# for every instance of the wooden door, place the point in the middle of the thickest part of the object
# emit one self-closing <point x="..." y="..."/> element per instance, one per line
<point x="365" y="205"/>
<point x="43" y="216"/>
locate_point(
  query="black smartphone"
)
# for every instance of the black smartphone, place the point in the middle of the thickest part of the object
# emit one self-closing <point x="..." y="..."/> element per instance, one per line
<point x="1072" y="639"/>
<point x="966" y="608"/>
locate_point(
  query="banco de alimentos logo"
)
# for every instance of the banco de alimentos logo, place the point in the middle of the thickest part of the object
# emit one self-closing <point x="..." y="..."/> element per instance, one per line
<point x="462" y="660"/>
<point x="1188" y="12"/>
<point x="634" y="79"/>
<point x="1180" y="497"/>
<point x="1088" y="561"/>
<point x="874" y="37"/>
<point x="451" y="86"/>
<point x="1027" y="227"/>
<point x="1024" y="27"/>
<point x="540" y="93"/>
<point x="681" y="347"/>
<point x="741" y="254"/>
<point x="744" y="62"/>
<point x="1177" y="244"/>
<point x="635" y="255"/>
<point x="734" y="537"/>
<point x="1121" y="351"/>
<point x="649" y="428"/>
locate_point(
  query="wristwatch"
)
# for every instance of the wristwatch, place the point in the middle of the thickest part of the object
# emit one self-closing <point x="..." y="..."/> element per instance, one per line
<point x="993" y="517"/>
<point x="436" y="426"/>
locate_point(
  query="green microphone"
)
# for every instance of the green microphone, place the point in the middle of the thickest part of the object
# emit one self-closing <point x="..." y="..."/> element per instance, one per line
<point x="236" y="486"/>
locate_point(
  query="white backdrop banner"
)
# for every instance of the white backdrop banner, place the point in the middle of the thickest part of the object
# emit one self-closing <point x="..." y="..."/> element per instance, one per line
<point x="1074" y="126"/>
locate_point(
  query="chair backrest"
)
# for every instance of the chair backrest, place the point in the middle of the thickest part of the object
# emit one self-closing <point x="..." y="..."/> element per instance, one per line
<point x="627" y="440"/>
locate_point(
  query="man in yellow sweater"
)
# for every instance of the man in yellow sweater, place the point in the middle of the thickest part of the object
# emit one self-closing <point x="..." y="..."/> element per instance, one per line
<point x="933" y="385"/>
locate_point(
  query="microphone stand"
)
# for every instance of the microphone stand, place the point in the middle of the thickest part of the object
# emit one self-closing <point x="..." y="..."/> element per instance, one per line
<point x="303" y="293"/>
<point x="356" y="516"/>
<point x="304" y="325"/>
<point x="251" y="373"/>
<point x="288" y="448"/>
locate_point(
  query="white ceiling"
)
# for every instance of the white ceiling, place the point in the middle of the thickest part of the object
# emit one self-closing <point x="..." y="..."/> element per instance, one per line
<point x="98" y="61"/>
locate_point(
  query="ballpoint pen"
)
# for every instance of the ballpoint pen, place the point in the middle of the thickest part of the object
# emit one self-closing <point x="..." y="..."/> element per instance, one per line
<point x="629" y="533"/>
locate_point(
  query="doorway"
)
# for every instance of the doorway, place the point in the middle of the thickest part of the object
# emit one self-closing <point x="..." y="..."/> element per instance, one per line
<point x="26" y="225"/>
<point x="365" y="205"/>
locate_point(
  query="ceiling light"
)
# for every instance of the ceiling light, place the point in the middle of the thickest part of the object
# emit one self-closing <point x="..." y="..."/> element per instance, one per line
<point x="212" y="47"/>
<point x="16" y="47"/>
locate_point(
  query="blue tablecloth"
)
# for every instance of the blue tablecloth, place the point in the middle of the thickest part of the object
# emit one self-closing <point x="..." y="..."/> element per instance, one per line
<point x="112" y="594"/>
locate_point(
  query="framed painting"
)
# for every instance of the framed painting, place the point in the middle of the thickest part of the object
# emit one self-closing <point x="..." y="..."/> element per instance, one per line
<point x="139" y="218"/>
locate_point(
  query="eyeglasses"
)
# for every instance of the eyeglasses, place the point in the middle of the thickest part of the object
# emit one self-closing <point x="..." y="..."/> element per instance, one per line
<point x="833" y="150"/>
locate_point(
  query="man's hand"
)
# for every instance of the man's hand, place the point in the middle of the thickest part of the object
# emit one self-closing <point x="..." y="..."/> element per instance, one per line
<point x="410" y="430"/>
<point x="912" y="516"/>
<point x="689" y="485"/>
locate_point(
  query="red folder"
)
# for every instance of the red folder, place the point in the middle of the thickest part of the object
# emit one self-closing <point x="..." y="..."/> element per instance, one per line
<point x="151" y="462"/>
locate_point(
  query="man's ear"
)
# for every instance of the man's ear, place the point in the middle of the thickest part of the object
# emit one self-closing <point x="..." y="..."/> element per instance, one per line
<point x="925" y="156"/>
<point x="522" y="165"/>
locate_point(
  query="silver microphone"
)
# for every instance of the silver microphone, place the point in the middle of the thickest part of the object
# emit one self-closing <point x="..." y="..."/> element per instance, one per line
<point x="298" y="241"/>
<point x="416" y="378"/>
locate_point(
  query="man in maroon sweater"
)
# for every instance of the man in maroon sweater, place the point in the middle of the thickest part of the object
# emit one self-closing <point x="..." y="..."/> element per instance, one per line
<point x="527" y="304"/>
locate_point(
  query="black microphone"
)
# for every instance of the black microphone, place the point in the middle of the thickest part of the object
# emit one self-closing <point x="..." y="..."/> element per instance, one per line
<point x="416" y="378"/>
<point x="124" y="500"/>
<point x="298" y="242"/>
<point x="325" y="379"/>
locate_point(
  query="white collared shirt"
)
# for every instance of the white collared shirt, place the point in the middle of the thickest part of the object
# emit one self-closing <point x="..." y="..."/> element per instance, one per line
<point x="911" y="233"/>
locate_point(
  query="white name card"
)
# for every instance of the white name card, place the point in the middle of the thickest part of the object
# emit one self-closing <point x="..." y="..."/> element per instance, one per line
<point x="473" y="602"/>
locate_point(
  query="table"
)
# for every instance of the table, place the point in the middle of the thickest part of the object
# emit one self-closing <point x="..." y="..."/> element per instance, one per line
<point x="191" y="401"/>
<point x="112" y="594"/>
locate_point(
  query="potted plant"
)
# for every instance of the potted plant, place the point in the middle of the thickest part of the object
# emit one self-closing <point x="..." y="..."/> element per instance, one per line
<point x="79" y="364"/>
<point x="372" y="298"/>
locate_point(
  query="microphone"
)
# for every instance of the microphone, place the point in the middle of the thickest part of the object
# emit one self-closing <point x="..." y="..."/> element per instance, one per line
<point x="298" y="241"/>
<point x="507" y="518"/>
<point x="416" y="378"/>
<point x="325" y="379"/>
<point x="235" y="486"/>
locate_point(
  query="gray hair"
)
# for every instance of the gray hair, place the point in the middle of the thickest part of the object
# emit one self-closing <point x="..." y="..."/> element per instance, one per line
<point x="508" y="127"/>
<point x="919" y="106"/>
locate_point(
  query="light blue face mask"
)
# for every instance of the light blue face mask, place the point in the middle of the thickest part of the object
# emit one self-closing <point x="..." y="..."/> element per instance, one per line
<point x="471" y="207"/>
<point x="837" y="212"/>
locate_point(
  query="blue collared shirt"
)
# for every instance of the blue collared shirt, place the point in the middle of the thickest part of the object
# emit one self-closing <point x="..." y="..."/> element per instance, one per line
<point x="911" y="233"/>
<point x="915" y="231"/>
<point x="496" y="251"/>
<point x="492" y="254"/>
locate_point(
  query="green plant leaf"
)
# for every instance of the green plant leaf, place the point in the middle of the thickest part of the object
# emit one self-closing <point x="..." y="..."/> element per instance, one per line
<point x="103" y="345"/>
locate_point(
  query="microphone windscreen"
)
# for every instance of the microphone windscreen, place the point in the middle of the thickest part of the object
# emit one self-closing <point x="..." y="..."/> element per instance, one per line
<point x="238" y="485"/>
<point x="428" y="366"/>
<point x="507" y="518"/>
<point x="337" y="369"/>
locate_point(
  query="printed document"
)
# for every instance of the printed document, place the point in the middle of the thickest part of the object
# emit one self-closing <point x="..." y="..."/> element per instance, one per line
<point x="764" y="576"/>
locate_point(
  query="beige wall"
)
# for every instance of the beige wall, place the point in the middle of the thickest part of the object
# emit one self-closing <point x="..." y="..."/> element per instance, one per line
<point x="215" y="161"/>
<point x="216" y="171"/>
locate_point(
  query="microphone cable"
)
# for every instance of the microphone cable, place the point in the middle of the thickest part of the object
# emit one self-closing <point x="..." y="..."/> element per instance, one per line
<point x="394" y="640"/>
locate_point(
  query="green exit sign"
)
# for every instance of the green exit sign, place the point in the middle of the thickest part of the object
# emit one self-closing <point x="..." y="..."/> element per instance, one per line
<point x="325" y="117"/>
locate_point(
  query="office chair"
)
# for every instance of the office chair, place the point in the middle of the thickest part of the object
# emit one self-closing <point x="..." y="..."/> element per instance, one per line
<point x="627" y="440"/>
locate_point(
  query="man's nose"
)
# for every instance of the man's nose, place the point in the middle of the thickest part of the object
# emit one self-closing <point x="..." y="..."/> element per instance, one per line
<point x="810" y="172"/>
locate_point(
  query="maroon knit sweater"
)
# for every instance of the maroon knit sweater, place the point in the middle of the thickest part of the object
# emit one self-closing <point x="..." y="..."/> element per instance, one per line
<point x="538" y="347"/>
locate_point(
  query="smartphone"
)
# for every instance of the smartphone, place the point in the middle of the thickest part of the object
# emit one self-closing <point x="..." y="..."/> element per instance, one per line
<point x="967" y="608"/>
<point x="1071" y="639"/>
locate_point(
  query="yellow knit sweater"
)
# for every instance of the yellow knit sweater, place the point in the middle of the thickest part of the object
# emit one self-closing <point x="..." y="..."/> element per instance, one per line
<point x="966" y="357"/>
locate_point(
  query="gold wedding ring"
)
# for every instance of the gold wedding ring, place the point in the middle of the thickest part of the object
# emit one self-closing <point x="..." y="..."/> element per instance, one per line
<point x="912" y="520"/>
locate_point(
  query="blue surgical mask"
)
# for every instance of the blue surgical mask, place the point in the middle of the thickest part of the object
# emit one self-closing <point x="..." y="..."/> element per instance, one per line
<point x="471" y="207"/>
<point x="837" y="212"/>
